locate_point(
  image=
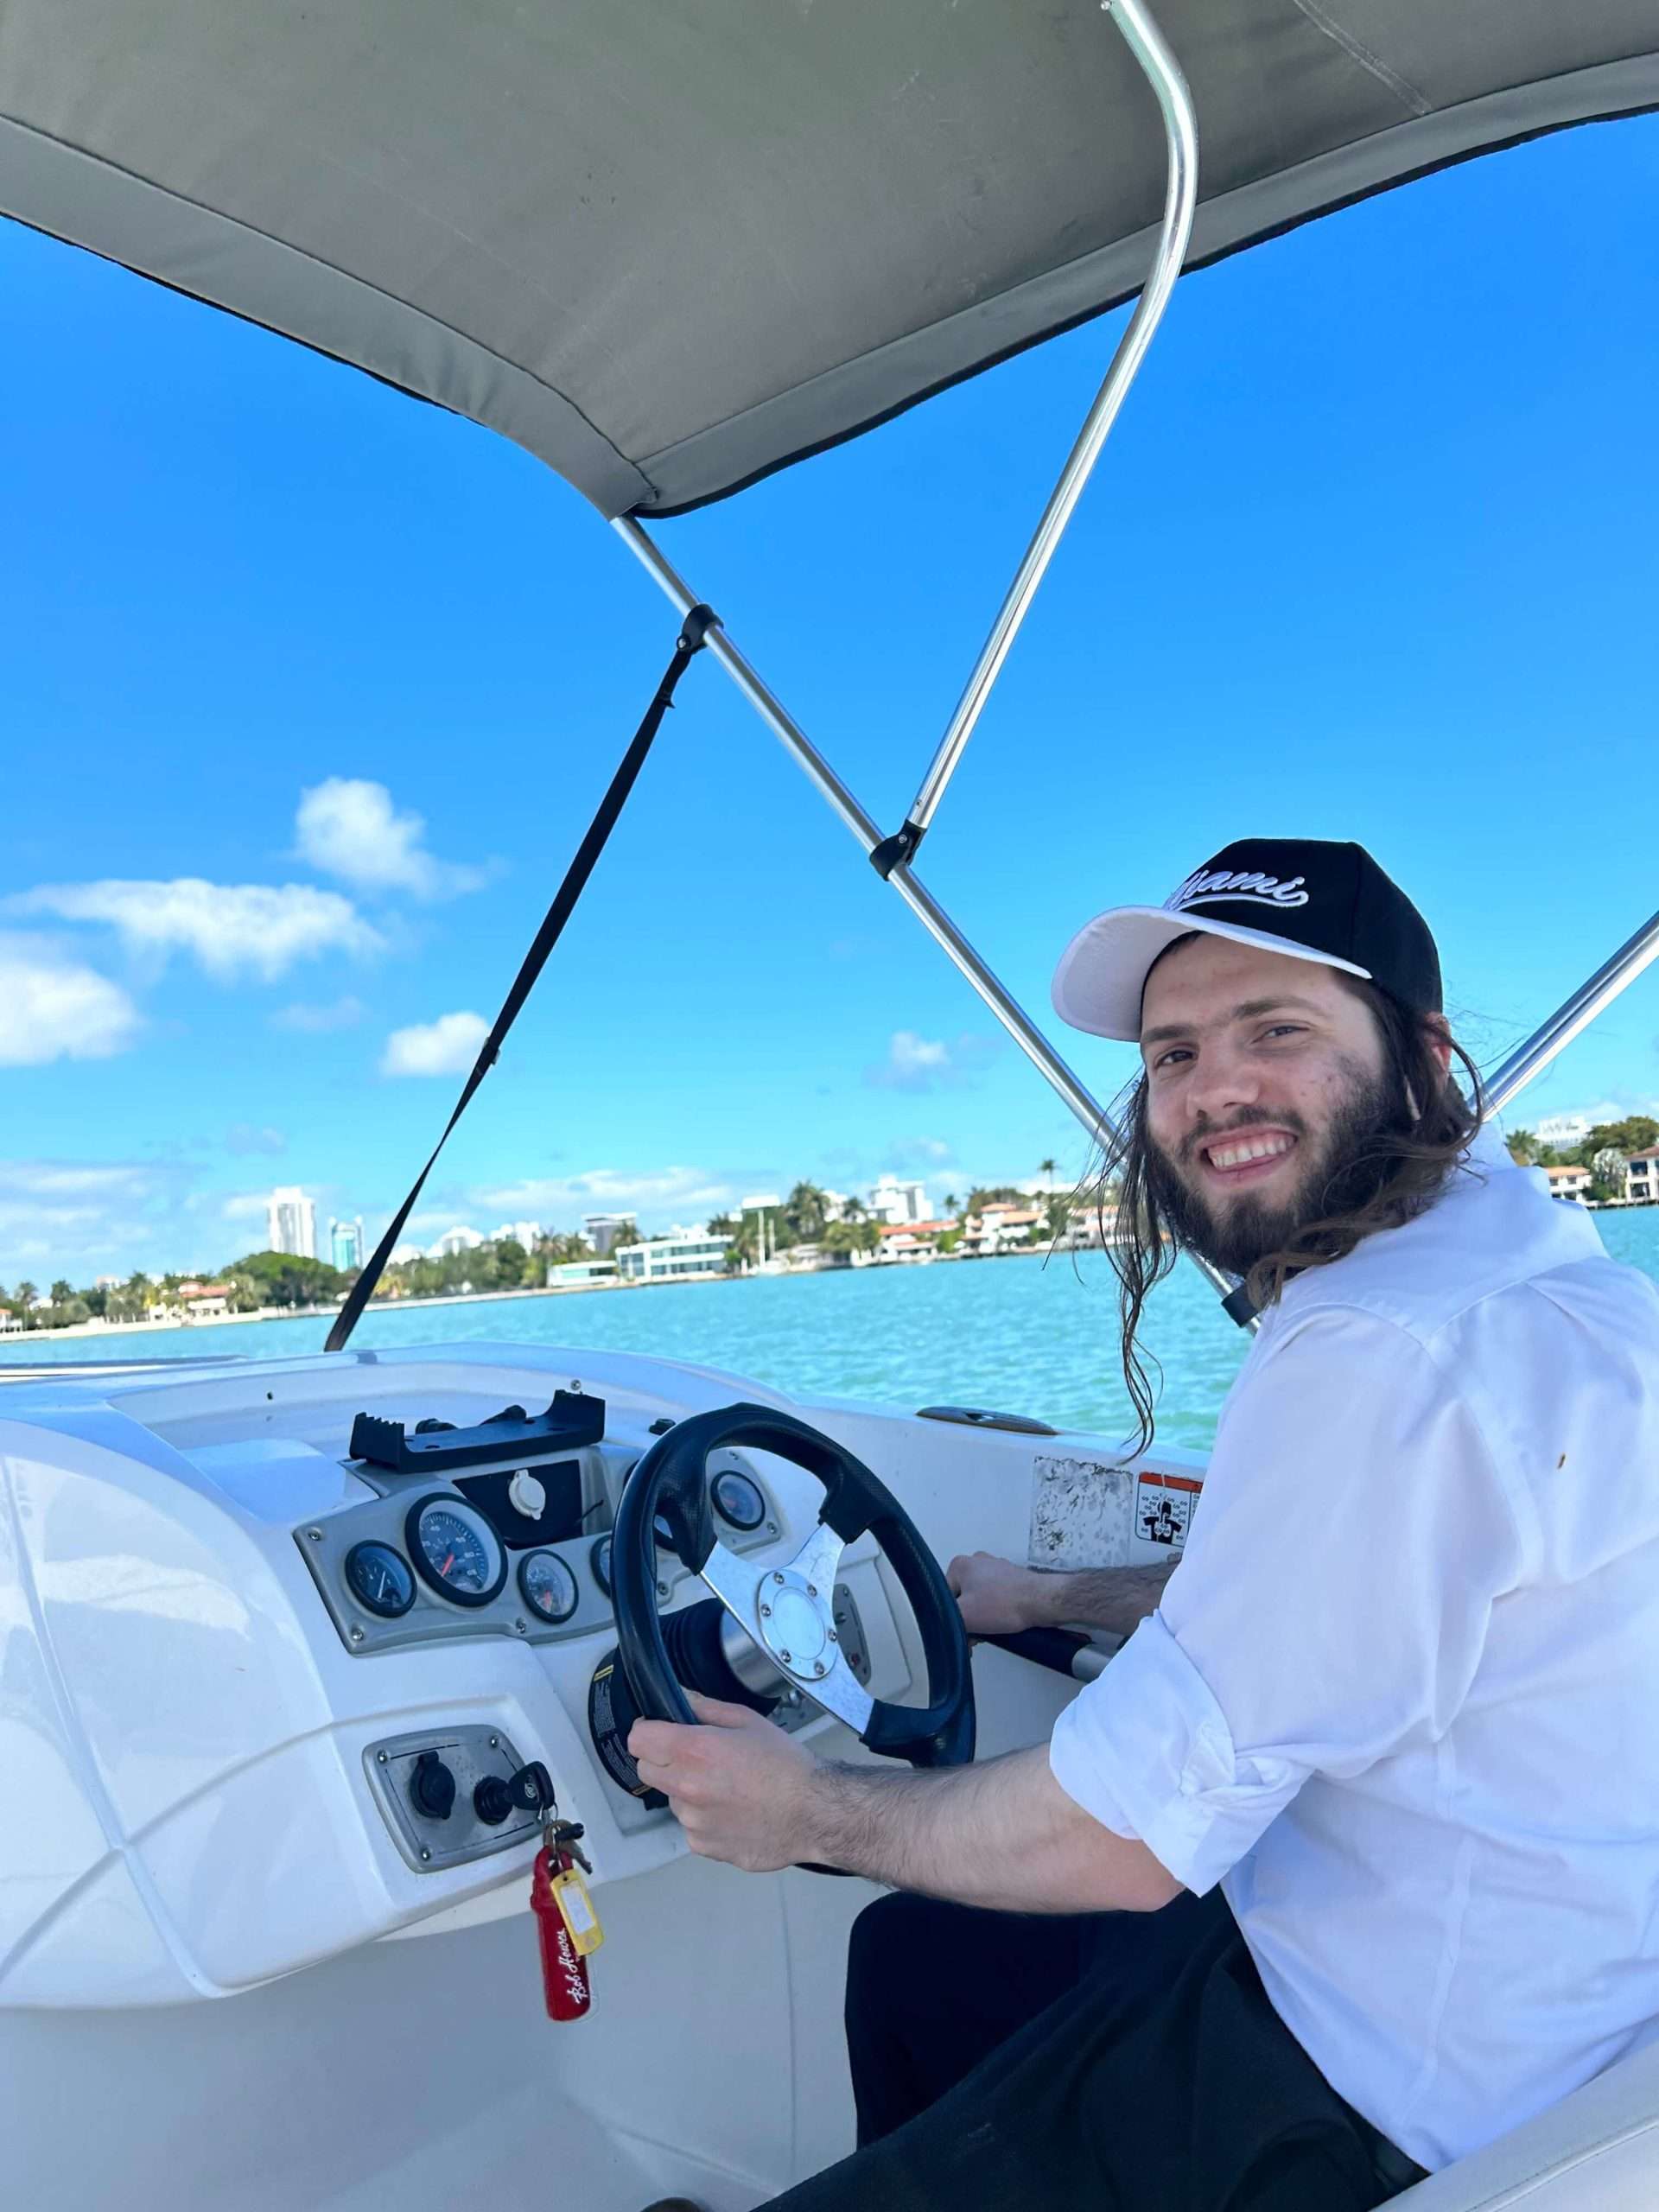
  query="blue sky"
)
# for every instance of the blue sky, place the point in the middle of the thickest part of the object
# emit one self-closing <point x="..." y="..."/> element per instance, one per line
<point x="1371" y="554"/>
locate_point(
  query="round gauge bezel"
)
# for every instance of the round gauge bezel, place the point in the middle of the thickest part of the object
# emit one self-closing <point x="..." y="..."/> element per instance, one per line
<point x="739" y="1475"/>
<point x="549" y="1620"/>
<point x="599" y="1573"/>
<point x="374" y="1605"/>
<point x="453" y="1502"/>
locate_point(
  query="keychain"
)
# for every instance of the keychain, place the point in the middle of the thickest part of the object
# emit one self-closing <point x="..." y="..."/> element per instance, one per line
<point x="566" y="1922"/>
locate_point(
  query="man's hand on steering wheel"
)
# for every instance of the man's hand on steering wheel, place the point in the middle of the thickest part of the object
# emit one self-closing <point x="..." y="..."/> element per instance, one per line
<point x="741" y="1789"/>
<point x="995" y="1597"/>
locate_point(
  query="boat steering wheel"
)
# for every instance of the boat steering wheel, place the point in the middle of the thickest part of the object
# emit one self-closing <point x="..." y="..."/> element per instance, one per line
<point x="785" y="1612"/>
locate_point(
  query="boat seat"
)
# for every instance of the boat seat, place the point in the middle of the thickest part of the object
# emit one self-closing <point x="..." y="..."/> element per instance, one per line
<point x="1598" y="2147"/>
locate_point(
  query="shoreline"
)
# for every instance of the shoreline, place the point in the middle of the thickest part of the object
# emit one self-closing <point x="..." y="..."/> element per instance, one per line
<point x="112" y="1331"/>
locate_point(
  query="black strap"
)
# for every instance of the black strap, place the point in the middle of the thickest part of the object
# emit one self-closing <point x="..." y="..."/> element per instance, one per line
<point x="1237" y="1307"/>
<point x="691" y="640"/>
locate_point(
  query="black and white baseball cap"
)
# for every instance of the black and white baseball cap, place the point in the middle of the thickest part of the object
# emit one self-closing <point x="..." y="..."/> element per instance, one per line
<point x="1313" y="900"/>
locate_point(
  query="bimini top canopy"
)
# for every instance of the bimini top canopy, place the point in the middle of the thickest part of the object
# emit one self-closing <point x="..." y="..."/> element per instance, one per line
<point x="669" y="245"/>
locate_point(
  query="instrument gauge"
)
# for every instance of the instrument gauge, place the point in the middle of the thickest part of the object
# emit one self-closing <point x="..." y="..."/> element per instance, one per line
<point x="548" y="1586"/>
<point x="455" y="1549"/>
<point x="737" y="1500"/>
<point x="379" y="1578"/>
<point x="600" y="1560"/>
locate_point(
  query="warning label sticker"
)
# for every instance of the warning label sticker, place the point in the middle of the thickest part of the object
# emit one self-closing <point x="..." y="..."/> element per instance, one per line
<point x="1163" y="1508"/>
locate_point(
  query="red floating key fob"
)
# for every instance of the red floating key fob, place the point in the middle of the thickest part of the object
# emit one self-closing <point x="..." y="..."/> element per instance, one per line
<point x="564" y="1972"/>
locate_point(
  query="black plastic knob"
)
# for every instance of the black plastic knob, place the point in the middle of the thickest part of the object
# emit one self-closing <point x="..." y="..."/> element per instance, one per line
<point x="432" y="1787"/>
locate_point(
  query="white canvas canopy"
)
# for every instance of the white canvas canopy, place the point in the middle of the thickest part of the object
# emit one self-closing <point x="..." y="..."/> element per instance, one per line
<point x="668" y="245"/>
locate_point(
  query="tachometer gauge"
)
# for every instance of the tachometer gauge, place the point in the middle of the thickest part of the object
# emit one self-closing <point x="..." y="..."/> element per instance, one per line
<point x="738" y="1499"/>
<point x="379" y="1578"/>
<point x="455" y="1549"/>
<point x="600" y="1560"/>
<point x="548" y="1586"/>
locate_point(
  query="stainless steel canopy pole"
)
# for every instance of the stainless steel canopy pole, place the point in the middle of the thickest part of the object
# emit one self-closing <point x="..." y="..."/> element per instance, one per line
<point x="1573" y="1017"/>
<point x="921" y="902"/>
<point x="1146" y="42"/>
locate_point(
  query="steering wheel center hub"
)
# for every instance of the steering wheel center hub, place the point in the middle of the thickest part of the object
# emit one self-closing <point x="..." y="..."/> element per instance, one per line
<point x="795" y="1625"/>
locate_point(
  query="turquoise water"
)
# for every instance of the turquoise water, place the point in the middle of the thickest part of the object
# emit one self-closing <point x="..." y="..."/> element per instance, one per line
<point x="1023" y="1335"/>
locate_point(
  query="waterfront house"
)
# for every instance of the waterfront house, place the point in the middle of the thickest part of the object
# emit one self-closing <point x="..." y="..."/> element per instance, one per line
<point x="686" y="1254"/>
<point x="1000" y="1228"/>
<point x="1569" y="1181"/>
<point x="1642" y="1176"/>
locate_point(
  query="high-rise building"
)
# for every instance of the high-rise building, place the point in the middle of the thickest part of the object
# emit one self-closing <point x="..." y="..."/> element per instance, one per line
<point x="897" y="1203"/>
<point x="345" y="1243"/>
<point x="602" y="1229"/>
<point x="454" y="1241"/>
<point x="291" y="1223"/>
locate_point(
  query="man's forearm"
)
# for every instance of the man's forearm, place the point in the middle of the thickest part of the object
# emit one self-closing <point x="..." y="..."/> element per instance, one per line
<point x="1003" y="1834"/>
<point x="1116" y="1598"/>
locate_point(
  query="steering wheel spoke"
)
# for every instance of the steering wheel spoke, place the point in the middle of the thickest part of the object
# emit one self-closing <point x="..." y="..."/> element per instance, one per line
<point x="736" y="1582"/>
<point x="818" y="1560"/>
<point x="841" y="1692"/>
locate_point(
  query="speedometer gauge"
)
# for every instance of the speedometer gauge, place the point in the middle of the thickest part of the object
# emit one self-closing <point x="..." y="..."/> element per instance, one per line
<point x="455" y="1549"/>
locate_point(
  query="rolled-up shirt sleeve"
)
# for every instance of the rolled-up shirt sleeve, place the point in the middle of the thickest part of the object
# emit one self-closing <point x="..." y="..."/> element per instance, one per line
<point x="1353" y="1536"/>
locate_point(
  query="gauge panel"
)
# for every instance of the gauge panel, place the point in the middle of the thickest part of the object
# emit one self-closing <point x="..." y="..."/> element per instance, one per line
<point x="422" y="1565"/>
<point x="548" y="1585"/>
<point x="454" y="1549"/>
<point x="379" y="1578"/>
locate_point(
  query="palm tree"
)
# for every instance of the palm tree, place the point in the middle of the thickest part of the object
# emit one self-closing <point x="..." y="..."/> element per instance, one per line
<point x="1046" y="1169"/>
<point x="952" y="1202"/>
<point x="62" y="1292"/>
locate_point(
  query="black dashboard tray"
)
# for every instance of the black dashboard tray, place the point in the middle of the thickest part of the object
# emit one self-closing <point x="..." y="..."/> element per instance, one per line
<point x="572" y="1418"/>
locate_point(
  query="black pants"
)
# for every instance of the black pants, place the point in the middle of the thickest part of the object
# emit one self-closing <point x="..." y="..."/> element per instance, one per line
<point x="1103" y="2063"/>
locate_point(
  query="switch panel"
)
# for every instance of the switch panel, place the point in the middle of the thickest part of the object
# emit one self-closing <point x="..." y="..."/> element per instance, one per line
<point x="426" y="1784"/>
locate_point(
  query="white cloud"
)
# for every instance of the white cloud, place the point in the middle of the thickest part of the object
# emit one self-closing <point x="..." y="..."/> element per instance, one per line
<point x="446" y="1046"/>
<point x="248" y="1136"/>
<point x="52" y="1007"/>
<point x="58" y="1218"/>
<point x="231" y="928"/>
<point x="245" y="1205"/>
<point x="910" y="1151"/>
<point x="318" y="1020"/>
<point x="683" y="1192"/>
<point x="916" y="1063"/>
<point x="348" y="827"/>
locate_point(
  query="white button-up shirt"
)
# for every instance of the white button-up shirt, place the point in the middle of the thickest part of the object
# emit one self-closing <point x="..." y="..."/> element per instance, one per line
<point x="1402" y="1697"/>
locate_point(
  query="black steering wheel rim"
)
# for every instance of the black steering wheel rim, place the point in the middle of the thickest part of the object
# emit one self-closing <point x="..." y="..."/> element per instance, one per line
<point x="671" y="1485"/>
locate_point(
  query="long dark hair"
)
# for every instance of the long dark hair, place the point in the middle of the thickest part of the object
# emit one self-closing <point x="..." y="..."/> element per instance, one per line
<point x="1397" y="1176"/>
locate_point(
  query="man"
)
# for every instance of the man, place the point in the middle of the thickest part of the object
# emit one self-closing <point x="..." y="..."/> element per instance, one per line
<point x="1371" y="1800"/>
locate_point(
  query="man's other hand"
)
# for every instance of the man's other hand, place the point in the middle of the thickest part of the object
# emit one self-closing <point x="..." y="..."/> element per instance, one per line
<point x="996" y="1598"/>
<point x="740" y="1788"/>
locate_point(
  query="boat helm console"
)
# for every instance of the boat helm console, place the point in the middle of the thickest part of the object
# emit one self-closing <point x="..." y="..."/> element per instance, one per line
<point x="354" y="1607"/>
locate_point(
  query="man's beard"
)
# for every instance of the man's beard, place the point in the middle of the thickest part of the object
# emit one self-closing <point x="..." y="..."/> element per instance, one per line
<point x="1340" y="1174"/>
